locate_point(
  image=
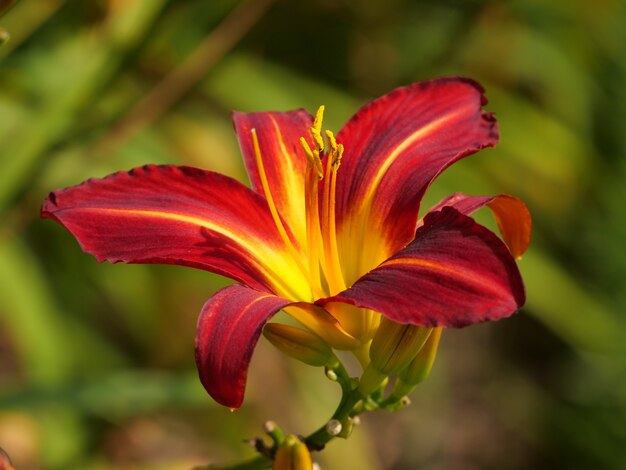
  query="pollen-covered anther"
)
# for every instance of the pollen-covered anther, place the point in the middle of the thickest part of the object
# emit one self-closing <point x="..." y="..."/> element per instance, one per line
<point x="316" y="130"/>
<point x="335" y="151"/>
<point x="313" y="157"/>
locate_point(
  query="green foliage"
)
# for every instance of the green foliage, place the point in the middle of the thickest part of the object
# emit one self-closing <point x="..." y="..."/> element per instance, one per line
<point x="96" y="360"/>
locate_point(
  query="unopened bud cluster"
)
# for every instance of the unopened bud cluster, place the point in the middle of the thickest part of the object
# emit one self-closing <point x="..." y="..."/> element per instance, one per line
<point x="407" y="351"/>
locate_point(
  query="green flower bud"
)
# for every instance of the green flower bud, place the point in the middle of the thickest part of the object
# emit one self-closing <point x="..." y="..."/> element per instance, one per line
<point x="299" y="344"/>
<point x="292" y="454"/>
<point x="419" y="368"/>
<point x="394" y="345"/>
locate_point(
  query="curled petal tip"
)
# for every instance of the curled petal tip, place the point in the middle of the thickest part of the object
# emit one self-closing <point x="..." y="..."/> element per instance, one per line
<point x="229" y="327"/>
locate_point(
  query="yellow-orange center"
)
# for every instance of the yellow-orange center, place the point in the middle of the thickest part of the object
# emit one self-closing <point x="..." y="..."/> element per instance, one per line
<point x="320" y="265"/>
<point x="346" y="327"/>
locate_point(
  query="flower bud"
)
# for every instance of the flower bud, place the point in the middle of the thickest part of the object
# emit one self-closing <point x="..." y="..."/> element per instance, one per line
<point x="292" y="454"/>
<point x="419" y="368"/>
<point x="299" y="344"/>
<point x="394" y="345"/>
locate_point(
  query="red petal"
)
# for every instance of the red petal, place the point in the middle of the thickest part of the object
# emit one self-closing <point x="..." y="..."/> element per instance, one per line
<point x="229" y="327"/>
<point x="283" y="159"/>
<point x="455" y="273"/>
<point x="177" y="215"/>
<point x="394" y="147"/>
<point x="511" y="214"/>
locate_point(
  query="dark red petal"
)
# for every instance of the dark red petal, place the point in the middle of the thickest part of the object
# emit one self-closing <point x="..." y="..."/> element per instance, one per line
<point x="283" y="159"/>
<point x="177" y="215"/>
<point x="511" y="214"/>
<point x="394" y="147"/>
<point x="455" y="273"/>
<point x="229" y="327"/>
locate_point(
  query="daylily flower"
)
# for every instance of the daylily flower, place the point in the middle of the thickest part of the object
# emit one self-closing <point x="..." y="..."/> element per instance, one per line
<point x="329" y="230"/>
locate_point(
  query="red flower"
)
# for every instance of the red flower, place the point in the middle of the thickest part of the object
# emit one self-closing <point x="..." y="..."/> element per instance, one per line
<point x="329" y="230"/>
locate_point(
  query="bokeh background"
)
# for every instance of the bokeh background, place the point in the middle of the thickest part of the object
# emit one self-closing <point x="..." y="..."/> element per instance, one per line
<point x="96" y="361"/>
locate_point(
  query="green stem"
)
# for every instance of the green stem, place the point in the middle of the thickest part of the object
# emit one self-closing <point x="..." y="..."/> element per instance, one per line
<point x="317" y="440"/>
<point x="320" y="437"/>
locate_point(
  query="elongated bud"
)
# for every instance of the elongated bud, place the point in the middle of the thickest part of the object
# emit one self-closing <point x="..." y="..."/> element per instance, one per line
<point x="419" y="368"/>
<point x="299" y="344"/>
<point x="394" y="345"/>
<point x="292" y="454"/>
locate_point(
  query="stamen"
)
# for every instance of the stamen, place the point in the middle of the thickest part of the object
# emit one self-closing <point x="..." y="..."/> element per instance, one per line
<point x="313" y="234"/>
<point x="270" y="201"/>
<point x="321" y="234"/>
<point x="329" y="233"/>
<point x="332" y="142"/>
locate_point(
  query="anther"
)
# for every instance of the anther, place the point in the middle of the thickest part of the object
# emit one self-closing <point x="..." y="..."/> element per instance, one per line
<point x="313" y="157"/>
<point x="332" y="142"/>
<point x="316" y="130"/>
<point x="338" y="155"/>
<point x="336" y="150"/>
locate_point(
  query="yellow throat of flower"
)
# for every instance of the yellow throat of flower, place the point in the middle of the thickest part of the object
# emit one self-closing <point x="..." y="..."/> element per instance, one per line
<point x="343" y="326"/>
<point x="322" y="267"/>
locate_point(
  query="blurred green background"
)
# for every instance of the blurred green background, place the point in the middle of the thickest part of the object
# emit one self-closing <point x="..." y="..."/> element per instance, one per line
<point x="96" y="361"/>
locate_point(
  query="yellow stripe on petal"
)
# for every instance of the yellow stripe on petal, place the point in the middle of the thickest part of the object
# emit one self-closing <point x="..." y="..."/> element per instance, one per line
<point x="419" y="134"/>
<point x="277" y="266"/>
<point x="394" y="147"/>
